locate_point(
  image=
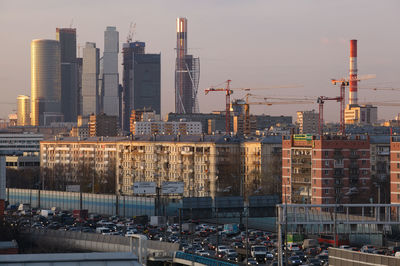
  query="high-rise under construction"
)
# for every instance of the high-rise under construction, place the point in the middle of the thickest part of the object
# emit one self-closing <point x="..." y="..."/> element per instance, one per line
<point x="187" y="73"/>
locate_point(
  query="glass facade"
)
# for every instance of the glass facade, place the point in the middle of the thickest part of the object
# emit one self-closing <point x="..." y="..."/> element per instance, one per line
<point x="45" y="80"/>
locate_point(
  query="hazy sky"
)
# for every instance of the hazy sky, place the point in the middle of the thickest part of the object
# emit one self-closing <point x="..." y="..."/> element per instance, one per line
<point x="255" y="43"/>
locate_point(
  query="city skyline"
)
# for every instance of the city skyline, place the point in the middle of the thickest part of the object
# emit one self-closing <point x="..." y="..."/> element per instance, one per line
<point x="254" y="45"/>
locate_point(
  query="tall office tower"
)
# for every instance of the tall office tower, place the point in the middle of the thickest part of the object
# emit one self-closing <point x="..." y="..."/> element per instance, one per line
<point x="187" y="73"/>
<point x="110" y="72"/>
<point x="141" y="80"/>
<point x="79" y="64"/>
<point x="90" y="79"/>
<point x="45" y="82"/>
<point x="69" y="72"/>
<point x="23" y="110"/>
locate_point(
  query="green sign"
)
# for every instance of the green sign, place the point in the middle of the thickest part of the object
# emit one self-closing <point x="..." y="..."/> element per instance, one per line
<point x="307" y="137"/>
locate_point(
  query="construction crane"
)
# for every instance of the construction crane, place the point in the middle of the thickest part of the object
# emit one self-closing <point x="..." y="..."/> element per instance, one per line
<point x="247" y="106"/>
<point x="345" y="82"/>
<point x="131" y="33"/>
<point x="228" y="91"/>
<point x="321" y="100"/>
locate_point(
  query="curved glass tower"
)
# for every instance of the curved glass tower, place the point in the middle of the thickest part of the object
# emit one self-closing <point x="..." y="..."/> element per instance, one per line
<point x="45" y="82"/>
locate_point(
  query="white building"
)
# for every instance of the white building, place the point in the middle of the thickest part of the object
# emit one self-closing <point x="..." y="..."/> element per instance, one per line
<point x="90" y="79"/>
<point x="110" y="72"/>
<point x="166" y="128"/>
<point x="26" y="147"/>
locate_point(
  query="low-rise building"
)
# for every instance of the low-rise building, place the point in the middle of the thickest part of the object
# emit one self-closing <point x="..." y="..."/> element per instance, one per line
<point x="26" y="147"/>
<point x="166" y="128"/>
<point x="361" y="114"/>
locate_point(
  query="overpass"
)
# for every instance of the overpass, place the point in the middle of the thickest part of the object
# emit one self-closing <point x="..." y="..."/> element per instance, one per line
<point x="145" y="250"/>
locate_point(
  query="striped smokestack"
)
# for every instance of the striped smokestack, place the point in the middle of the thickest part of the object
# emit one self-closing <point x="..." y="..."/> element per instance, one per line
<point x="353" y="72"/>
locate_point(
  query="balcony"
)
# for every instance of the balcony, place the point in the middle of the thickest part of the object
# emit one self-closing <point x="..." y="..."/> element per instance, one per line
<point x="354" y="155"/>
<point x="339" y="164"/>
<point x="383" y="153"/>
<point x="186" y="152"/>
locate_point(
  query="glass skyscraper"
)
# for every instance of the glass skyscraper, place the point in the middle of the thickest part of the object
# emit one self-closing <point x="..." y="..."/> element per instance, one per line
<point x="45" y="82"/>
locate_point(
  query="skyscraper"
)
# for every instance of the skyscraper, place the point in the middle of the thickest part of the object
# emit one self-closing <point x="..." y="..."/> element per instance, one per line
<point x="45" y="82"/>
<point x="141" y="80"/>
<point x="23" y="110"/>
<point x="110" y="72"/>
<point x="90" y="79"/>
<point x="69" y="72"/>
<point x="187" y="73"/>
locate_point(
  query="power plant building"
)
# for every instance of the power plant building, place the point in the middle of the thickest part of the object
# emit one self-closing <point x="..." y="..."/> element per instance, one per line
<point x="187" y="73"/>
<point x="141" y="80"/>
<point x="90" y="79"/>
<point x="45" y="82"/>
<point x="110" y="80"/>
<point x="69" y="73"/>
<point x="23" y="111"/>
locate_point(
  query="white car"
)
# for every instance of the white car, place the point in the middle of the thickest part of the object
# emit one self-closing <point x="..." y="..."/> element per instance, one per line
<point x="293" y="247"/>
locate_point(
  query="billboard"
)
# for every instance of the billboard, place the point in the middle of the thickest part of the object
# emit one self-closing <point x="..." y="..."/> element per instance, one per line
<point x="73" y="188"/>
<point x="172" y="188"/>
<point x="144" y="188"/>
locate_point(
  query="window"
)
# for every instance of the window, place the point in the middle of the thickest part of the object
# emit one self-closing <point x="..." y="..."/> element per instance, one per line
<point x="326" y="182"/>
<point x="315" y="181"/>
<point x="326" y="153"/>
<point x="364" y="153"/>
<point x="364" y="162"/>
<point x="326" y="191"/>
<point x="326" y="163"/>
<point x="326" y="172"/>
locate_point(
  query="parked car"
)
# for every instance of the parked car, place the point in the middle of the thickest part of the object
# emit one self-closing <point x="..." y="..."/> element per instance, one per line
<point x="367" y="249"/>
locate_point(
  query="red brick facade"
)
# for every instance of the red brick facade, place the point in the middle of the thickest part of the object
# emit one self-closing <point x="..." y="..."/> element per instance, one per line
<point x="334" y="169"/>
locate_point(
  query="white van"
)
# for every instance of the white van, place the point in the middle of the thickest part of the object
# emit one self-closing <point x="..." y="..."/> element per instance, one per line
<point x="103" y="230"/>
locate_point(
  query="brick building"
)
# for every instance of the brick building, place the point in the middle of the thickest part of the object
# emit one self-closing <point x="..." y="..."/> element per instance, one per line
<point x="330" y="170"/>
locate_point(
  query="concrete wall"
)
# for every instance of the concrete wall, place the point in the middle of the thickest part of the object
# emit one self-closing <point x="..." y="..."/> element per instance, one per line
<point x="342" y="257"/>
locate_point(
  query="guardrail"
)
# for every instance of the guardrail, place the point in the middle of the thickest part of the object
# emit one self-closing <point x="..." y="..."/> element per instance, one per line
<point x="346" y="257"/>
<point x="201" y="260"/>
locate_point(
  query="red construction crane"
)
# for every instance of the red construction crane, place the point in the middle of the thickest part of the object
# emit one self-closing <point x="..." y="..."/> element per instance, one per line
<point x="228" y="92"/>
<point x="321" y="100"/>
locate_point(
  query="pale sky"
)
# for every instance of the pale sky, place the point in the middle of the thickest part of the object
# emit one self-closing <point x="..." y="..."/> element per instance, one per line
<point x="255" y="43"/>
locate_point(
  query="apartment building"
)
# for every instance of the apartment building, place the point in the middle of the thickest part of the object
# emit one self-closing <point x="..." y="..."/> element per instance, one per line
<point x="166" y="128"/>
<point x="103" y="125"/>
<point x="395" y="170"/>
<point x="208" y="165"/>
<point x="380" y="168"/>
<point x="307" y="122"/>
<point x="76" y="160"/>
<point x="325" y="170"/>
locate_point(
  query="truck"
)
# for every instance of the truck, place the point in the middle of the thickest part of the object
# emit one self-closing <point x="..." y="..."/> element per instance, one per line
<point x="80" y="214"/>
<point x="231" y="229"/>
<point x="24" y="207"/>
<point x="188" y="228"/>
<point x="46" y="213"/>
<point x="259" y="253"/>
<point x="157" y="220"/>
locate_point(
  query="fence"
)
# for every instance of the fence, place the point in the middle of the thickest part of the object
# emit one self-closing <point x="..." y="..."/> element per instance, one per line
<point x="95" y="203"/>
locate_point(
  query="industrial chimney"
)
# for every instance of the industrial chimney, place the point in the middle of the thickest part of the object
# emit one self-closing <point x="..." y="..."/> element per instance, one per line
<point x="353" y="73"/>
